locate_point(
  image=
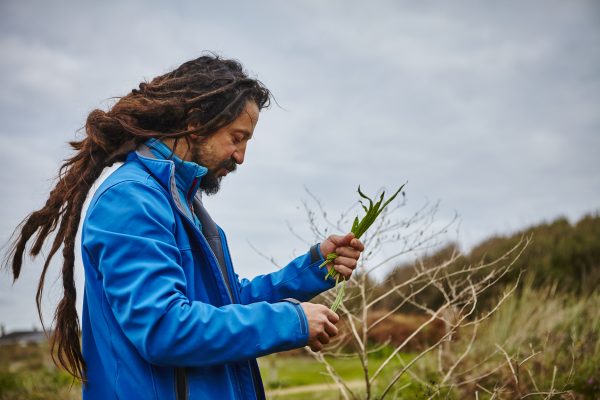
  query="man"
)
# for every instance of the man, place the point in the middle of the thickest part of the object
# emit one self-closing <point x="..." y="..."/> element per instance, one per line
<point x="165" y="316"/>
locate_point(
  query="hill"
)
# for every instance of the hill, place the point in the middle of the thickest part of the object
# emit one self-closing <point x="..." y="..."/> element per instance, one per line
<point x="560" y="253"/>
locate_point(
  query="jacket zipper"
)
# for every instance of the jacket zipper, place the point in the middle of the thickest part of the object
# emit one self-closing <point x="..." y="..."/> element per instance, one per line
<point x="181" y="386"/>
<point x="182" y="394"/>
<point x="180" y="375"/>
<point x="230" y="268"/>
<point x="203" y="239"/>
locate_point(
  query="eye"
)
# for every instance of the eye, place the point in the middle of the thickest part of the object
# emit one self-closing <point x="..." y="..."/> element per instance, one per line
<point x="237" y="139"/>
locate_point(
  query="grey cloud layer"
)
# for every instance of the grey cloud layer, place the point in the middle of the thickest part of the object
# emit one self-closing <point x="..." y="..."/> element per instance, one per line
<point x="490" y="108"/>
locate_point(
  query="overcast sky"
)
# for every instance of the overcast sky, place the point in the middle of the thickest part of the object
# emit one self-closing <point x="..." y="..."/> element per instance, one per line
<point x="492" y="108"/>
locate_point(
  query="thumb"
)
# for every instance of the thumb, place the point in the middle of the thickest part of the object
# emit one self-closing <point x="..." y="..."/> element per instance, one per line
<point x="342" y="240"/>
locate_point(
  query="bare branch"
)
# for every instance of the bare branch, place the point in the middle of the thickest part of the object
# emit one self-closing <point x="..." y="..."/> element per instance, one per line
<point x="266" y="257"/>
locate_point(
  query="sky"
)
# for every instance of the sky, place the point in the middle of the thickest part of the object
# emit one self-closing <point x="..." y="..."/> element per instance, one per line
<point x="489" y="108"/>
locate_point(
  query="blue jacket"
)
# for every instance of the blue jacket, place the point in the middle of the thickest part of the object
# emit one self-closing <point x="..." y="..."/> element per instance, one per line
<point x="163" y="318"/>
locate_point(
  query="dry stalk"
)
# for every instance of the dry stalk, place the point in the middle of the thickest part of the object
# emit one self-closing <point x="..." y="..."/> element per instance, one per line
<point x="459" y="288"/>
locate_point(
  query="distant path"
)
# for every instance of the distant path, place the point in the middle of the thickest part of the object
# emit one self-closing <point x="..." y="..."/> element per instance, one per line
<point x="313" y="388"/>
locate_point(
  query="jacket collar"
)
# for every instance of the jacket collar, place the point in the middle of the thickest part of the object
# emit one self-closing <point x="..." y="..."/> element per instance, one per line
<point x="169" y="170"/>
<point x="163" y="171"/>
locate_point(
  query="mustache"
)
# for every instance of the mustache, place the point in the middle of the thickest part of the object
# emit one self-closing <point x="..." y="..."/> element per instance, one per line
<point x="230" y="165"/>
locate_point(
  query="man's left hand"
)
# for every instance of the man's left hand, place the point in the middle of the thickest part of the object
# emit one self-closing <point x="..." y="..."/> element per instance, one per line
<point x="348" y="249"/>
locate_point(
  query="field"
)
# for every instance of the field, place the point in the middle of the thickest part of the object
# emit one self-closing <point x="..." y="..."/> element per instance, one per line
<point x="26" y="372"/>
<point x="302" y="377"/>
<point x="551" y="339"/>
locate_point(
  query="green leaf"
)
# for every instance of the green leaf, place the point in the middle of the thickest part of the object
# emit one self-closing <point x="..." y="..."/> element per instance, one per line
<point x="363" y="206"/>
<point x="393" y="197"/>
<point x="364" y="196"/>
<point x="330" y="257"/>
<point x="339" y="297"/>
<point x="359" y="227"/>
<point x="354" y="226"/>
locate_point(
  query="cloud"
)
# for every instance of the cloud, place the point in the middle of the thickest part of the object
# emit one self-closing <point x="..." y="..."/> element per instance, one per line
<point x="490" y="108"/>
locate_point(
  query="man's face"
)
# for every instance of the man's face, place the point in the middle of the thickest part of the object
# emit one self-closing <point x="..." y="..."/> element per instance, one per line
<point x="222" y="151"/>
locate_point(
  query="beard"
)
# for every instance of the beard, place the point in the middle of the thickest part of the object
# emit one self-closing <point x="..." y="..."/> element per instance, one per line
<point x="201" y="154"/>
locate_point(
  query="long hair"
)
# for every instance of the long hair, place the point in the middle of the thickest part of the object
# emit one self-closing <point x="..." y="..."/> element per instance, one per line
<point x="206" y="93"/>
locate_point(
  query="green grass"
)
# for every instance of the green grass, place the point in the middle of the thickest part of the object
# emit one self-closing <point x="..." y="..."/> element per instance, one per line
<point x="283" y="371"/>
<point x="27" y="373"/>
<point x="280" y="371"/>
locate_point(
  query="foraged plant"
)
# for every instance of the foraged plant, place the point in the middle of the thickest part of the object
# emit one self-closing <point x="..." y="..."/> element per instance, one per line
<point x="358" y="228"/>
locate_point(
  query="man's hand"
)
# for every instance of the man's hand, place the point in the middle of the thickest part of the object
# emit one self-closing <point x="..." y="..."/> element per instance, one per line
<point x="348" y="249"/>
<point x="321" y="325"/>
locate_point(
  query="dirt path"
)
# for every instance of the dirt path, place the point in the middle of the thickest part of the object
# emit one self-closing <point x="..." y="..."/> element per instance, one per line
<point x="312" y="388"/>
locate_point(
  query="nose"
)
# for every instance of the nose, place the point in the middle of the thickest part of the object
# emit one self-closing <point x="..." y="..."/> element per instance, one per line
<point x="238" y="155"/>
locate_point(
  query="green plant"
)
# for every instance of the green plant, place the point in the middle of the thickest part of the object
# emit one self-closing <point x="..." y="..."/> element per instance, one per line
<point x="359" y="227"/>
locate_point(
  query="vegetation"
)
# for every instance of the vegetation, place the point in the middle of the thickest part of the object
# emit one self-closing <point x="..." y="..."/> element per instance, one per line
<point x="540" y="341"/>
<point x="28" y="373"/>
<point x="458" y="296"/>
<point x="528" y="346"/>
<point x="559" y="252"/>
<point x="543" y="342"/>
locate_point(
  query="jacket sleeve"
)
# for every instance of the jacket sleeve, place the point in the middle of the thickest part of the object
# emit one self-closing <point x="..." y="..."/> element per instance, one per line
<point x="128" y="237"/>
<point x="301" y="279"/>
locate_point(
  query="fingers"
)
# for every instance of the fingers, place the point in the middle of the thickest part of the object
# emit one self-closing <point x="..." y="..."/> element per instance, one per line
<point x="343" y="270"/>
<point x="321" y="324"/>
<point x="348" y="244"/>
<point x="331" y="329"/>
<point x="346" y="262"/>
<point x="347" y="240"/>
<point x="346" y="251"/>
<point x="331" y="316"/>
<point x="342" y="240"/>
<point x="316" y="346"/>
<point x="357" y="244"/>
<point x="323" y="337"/>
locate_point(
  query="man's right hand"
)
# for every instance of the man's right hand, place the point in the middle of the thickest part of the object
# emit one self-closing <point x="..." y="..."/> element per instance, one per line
<point x="321" y="325"/>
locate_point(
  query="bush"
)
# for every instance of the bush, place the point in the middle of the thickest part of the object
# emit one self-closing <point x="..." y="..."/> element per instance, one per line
<point x="539" y="341"/>
<point x="27" y="373"/>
